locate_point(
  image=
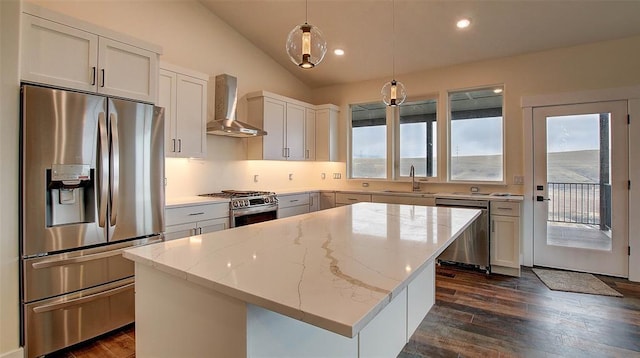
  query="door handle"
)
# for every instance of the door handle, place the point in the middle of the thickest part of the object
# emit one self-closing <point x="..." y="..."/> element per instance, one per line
<point x="115" y="168"/>
<point x="77" y="260"/>
<point x="541" y="198"/>
<point x="103" y="169"/>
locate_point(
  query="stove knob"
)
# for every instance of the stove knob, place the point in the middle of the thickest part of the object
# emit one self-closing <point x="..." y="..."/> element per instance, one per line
<point x="246" y="202"/>
<point x="267" y="200"/>
<point x="235" y="204"/>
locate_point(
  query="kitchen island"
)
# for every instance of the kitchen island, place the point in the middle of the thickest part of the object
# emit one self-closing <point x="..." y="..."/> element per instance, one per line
<point x="353" y="281"/>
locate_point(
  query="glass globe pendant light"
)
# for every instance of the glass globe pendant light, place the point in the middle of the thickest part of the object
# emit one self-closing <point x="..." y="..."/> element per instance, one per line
<point x="393" y="93"/>
<point x="306" y="46"/>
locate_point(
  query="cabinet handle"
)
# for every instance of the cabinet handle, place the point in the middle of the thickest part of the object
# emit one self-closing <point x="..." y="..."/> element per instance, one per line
<point x="493" y="226"/>
<point x="179" y="145"/>
<point x="93" y="75"/>
<point x="102" y="70"/>
<point x="199" y="231"/>
<point x="307" y="154"/>
<point x="284" y="152"/>
<point x="352" y="199"/>
<point x="288" y="153"/>
<point x="293" y="201"/>
<point x="504" y="208"/>
<point x="174" y="145"/>
<point x="200" y="213"/>
<point x="311" y="201"/>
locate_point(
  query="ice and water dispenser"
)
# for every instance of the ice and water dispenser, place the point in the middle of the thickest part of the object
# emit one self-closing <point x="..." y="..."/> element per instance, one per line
<point x="70" y="194"/>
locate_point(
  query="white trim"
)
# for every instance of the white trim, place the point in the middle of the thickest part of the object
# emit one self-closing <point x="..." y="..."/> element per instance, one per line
<point x="632" y="94"/>
<point x="598" y="95"/>
<point x="634" y="193"/>
<point x="16" y="353"/>
<point x="526" y="241"/>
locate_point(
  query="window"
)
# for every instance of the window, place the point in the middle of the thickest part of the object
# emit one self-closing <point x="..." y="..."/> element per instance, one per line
<point x="369" y="140"/>
<point x="417" y="141"/>
<point x="476" y="135"/>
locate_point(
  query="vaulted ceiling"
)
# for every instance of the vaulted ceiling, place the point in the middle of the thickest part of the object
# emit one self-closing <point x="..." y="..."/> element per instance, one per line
<point x="425" y="33"/>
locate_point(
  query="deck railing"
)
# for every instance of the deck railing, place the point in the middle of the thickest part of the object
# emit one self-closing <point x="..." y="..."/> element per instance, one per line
<point x="579" y="203"/>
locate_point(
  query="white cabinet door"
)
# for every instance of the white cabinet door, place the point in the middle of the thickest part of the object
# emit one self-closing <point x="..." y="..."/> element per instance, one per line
<point x="505" y="241"/>
<point x="213" y="225"/>
<point x="327" y="133"/>
<point x="173" y="232"/>
<point x="184" y="99"/>
<point x="58" y="55"/>
<point x="191" y="116"/>
<point x="310" y="134"/>
<point x="295" y="133"/>
<point x="327" y="200"/>
<point x="274" y="123"/>
<point x="314" y="202"/>
<point x="127" y="71"/>
<point x="167" y="98"/>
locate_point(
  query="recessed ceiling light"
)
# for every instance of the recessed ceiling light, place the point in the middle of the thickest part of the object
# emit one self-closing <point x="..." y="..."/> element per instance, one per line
<point x="463" y="23"/>
<point x="338" y="52"/>
<point x="497" y="90"/>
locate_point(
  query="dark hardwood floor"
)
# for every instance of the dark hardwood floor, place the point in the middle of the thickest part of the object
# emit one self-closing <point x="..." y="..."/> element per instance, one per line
<point x="478" y="315"/>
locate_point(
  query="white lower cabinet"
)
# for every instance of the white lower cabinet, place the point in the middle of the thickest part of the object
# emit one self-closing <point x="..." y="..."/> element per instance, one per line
<point x="314" y="201"/>
<point x="327" y="200"/>
<point x="423" y="199"/>
<point x="195" y="220"/>
<point x="505" y="238"/>
<point x="293" y="204"/>
<point x="351" y="198"/>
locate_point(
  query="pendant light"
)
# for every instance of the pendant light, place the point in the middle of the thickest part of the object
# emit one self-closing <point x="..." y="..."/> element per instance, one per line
<point x="306" y="46"/>
<point x="393" y="93"/>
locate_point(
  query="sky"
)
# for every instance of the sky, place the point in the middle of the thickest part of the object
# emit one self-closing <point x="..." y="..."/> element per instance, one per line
<point x="472" y="137"/>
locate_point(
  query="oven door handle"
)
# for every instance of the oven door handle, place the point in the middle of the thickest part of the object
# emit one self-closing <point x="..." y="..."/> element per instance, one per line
<point x="256" y="210"/>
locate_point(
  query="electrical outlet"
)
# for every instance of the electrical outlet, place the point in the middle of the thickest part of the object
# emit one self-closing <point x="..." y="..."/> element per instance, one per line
<point x="323" y="176"/>
<point x="290" y="176"/>
<point x="474" y="189"/>
<point x="337" y="175"/>
<point x="255" y="178"/>
<point x="365" y="185"/>
<point x="518" y="179"/>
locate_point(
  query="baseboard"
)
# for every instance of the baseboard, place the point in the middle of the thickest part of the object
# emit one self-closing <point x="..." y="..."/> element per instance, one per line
<point x="18" y="353"/>
<point x="509" y="271"/>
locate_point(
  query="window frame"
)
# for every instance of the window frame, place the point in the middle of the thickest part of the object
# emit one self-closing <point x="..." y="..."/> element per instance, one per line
<point x="449" y="151"/>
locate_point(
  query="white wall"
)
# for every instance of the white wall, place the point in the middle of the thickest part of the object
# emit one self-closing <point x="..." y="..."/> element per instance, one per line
<point x="9" y="99"/>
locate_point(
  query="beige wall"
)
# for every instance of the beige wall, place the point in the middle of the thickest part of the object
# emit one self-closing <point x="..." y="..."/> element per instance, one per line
<point x="594" y="66"/>
<point x="9" y="99"/>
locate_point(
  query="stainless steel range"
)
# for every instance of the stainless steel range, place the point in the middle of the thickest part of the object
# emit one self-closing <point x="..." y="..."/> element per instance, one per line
<point x="249" y="207"/>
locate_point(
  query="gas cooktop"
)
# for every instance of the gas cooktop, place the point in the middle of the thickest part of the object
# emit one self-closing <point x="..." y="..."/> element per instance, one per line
<point x="232" y="194"/>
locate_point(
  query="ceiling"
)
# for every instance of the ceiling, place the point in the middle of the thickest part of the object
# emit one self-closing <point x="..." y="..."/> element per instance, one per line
<point x="425" y="33"/>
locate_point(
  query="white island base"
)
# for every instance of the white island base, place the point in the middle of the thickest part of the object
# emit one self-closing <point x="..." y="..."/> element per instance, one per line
<point x="178" y="318"/>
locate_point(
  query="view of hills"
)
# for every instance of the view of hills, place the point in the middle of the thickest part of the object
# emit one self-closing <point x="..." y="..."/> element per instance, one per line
<point x="563" y="167"/>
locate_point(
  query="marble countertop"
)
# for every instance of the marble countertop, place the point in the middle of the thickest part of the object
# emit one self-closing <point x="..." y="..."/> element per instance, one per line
<point x="193" y="200"/>
<point x="335" y="269"/>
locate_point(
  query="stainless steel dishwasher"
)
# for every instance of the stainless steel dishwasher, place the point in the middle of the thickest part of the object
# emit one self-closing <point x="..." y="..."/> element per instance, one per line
<point x="472" y="246"/>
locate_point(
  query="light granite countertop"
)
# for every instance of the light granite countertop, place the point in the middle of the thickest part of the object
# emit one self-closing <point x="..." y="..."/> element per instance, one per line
<point x="335" y="269"/>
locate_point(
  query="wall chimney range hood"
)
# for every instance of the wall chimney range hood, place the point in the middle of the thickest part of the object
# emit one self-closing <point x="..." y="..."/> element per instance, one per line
<point x="224" y="121"/>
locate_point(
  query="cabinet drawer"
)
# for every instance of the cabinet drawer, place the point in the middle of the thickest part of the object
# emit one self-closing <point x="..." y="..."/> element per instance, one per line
<point x="505" y="208"/>
<point x="347" y="198"/>
<point x="187" y="214"/>
<point x="285" y="201"/>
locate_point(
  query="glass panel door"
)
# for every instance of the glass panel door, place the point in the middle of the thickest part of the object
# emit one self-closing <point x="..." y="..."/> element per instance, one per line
<point x="581" y="187"/>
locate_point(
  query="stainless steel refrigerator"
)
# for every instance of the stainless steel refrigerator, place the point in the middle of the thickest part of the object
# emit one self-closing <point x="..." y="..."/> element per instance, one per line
<point x="92" y="173"/>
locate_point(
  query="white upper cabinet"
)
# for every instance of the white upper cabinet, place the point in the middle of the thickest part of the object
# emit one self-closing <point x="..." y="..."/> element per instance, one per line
<point x="295" y="134"/>
<point x="127" y="71"/>
<point x="310" y="134"/>
<point x="183" y="94"/>
<point x="326" y="133"/>
<point x="58" y="55"/>
<point x="64" y="52"/>
<point x="290" y="125"/>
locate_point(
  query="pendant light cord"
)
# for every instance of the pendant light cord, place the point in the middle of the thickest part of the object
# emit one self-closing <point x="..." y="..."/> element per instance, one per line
<point x="393" y="40"/>
<point x="306" y="11"/>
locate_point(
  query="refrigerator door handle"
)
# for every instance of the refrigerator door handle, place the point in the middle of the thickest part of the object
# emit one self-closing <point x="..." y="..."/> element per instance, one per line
<point x="77" y="301"/>
<point x="115" y="167"/>
<point x="103" y="169"/>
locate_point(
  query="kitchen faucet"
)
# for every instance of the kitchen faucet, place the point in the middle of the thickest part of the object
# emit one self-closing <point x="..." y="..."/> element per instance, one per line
<point x="415" y="186"/>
